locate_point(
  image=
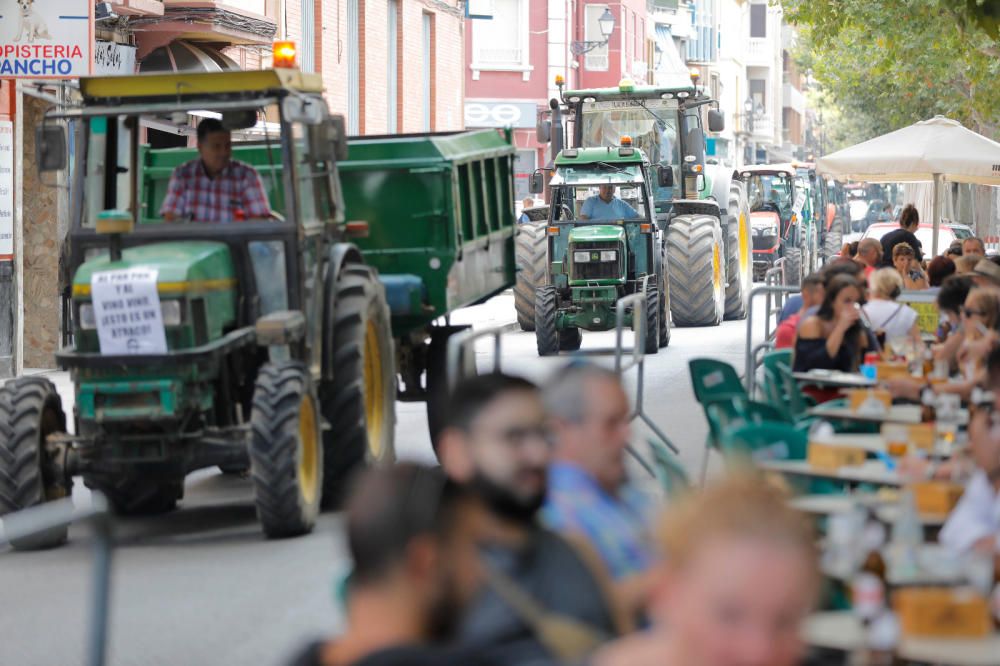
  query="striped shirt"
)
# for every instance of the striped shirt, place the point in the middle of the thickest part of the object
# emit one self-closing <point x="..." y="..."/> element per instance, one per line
<point x="234" y="193"/>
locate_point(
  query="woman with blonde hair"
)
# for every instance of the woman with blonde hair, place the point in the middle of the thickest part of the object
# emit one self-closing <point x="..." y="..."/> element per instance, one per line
<point x="739" y="576"/>
<point x="887" y="318"/>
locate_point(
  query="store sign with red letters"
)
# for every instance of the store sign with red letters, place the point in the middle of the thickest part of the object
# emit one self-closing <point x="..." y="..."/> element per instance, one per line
<point x="46" y="39"/>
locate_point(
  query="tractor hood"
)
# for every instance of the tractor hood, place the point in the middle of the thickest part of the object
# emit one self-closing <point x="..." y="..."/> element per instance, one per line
<point x="184" y="267"/>
<point x="597" y="233"/>
<point x="195" y="282"/>
<point x="764" y="219"/>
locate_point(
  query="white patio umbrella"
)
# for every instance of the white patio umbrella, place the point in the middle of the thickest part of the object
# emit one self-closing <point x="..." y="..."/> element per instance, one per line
<point x="935" y="150"/>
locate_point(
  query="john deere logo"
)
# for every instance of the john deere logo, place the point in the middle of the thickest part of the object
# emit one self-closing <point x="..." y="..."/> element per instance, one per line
<point x="595" y="256"/>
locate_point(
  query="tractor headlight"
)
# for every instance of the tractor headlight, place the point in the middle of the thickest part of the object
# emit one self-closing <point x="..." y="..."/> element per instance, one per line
<point x="170" y="310"/>
<point x="581" y="257"/>
<point x="609" y="255"/>
<point x="87" y="321"/>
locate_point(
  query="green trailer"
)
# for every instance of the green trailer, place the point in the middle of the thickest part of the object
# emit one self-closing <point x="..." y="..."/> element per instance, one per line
<point x="273" y="345"/>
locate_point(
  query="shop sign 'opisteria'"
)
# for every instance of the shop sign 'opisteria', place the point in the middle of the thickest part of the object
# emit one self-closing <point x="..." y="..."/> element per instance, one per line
<point x="46" y="39"/>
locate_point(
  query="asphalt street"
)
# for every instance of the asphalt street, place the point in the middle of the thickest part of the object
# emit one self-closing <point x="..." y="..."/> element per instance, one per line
<point x="202" y="586"/>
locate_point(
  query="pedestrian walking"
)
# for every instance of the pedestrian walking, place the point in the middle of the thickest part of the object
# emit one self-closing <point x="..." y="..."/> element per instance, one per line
<point x="909" y="222"/>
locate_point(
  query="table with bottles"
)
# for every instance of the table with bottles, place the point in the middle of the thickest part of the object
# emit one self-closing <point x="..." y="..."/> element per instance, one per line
<point x="871" y="471"/>
<point x="886" y="510"/>
<point x="834" y="379"/>
<point x="844" y="631"/>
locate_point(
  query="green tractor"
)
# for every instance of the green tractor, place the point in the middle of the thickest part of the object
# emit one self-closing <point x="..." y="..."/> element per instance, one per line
<point x="594" y="260"/>
<point x="704" y="211"/>
<point x="272" y="346"/>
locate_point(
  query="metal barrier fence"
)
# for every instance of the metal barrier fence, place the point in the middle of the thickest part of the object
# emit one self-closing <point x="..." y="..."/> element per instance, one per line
<point x="638" y="359"/>
<point x="39" y="519"/>
<point x="749" y="378"/>
<point x="463" y="343"/>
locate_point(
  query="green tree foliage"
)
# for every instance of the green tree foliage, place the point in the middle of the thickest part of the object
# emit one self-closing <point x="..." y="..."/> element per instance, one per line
<point x="883" y="65"/>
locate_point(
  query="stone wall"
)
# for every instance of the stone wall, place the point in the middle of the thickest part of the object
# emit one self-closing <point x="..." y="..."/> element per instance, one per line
<point x="41" y="250"/>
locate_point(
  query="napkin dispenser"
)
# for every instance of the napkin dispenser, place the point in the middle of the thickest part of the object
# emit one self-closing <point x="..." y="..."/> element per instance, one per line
<point x="822" y="455"/>
<point x="942" y="612"/>
<point x="859" y="397"/>
<point x="938" y="497"/>
<point x="891" y="370"/>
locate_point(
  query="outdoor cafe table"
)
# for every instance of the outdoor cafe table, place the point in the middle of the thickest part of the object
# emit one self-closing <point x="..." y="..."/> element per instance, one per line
<point x="834" y="379"/>
<point x="876" y="444"/>
<point x="872" y="471"/>
<point x="885" y="511"/>
<point x="841" y="630"/>
<point x="905" y="414"/>
<point x="930" y="570"/>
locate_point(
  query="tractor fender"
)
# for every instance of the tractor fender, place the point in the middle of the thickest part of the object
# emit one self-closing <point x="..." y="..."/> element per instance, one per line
<point x="697" y="207"/>
<point x="338" y="256"/>
<point x="721" y="177"/>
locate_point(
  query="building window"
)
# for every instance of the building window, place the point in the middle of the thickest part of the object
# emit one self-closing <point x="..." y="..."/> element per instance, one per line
<point x="702" y="48"/>
<point x="597" y="59"/>
<point x="502" y="42"/>
<point x="429" y="68"/>
<point x="758" y="21"/>
<point x="353" y="67"/>
<point x="392" y="60"/>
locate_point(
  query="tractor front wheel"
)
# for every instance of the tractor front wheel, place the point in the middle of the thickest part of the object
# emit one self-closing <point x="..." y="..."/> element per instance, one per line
<point x="664" y="316"/>
<point x="286" y="449"/>
<point x="738" y="260"/>
<point x="30" y="411"/>
<point x="697" y="273"/>
<point x="793" y="266"/>
<point x="546" y="333"/>
<point x="531" y="254"/>
<point x="570" y="339"/>
<point x="652" y="324"/>
<point x="359" y="403"/>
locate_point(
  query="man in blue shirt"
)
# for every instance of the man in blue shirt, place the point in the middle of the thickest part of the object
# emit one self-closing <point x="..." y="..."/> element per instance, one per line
<point x="588" y="494"/>
<point x="606" y="206"/>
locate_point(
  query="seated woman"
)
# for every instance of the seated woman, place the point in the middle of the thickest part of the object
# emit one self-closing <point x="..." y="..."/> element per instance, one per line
<point x="833" y="338"/>
<point x="980" y="321"/>
<point x="905" y="261"/>
<point x="890" y="320"/>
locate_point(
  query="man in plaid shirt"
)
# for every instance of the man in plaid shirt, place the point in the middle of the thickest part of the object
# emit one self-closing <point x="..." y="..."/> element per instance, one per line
<point x="215" y="187"/>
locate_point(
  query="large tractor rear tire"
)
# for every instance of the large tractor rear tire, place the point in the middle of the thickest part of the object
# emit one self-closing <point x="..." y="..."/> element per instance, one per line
<point x="531" y="255"/>
<point x="286" y="449"/>
<point x="739" y="263"/>
<point x="652" y="323"/>
<point x="360" y="402"/>
<point x="695" y="265"/>
<point x="570" y="339"/>
<point x="30" y="411"/>
<point x="436" y="381"/>
<point x="793" y="266"/>
<point x="833" y="243"/>
<point x="546" y="333"/>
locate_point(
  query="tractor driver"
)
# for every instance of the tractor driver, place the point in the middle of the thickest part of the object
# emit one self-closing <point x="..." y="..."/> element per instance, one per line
<point x="214" y="187"/>
<point x="606" y="206"/>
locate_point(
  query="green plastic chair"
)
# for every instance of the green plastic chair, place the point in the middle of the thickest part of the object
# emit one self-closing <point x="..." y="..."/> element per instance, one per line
<point x="795" y="399"/>
<point x="710" y="377"/>
<point x="672" y="477"/>
<point x="764" y="441"/>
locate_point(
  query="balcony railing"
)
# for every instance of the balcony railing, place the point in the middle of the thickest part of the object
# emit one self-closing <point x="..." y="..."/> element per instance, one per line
<point x="763" y="129"/>
<point x="498" y="56"/>
<point x="760" y="51"/>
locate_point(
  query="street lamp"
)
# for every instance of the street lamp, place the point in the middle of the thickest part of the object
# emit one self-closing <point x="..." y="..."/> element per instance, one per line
<point x="752" y="111"/>
<point x="606" y="23"/>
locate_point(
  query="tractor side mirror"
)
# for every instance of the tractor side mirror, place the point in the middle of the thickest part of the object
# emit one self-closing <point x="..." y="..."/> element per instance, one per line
<point x="665" y="176"/>
<point x="239" y="119"/>
<point x="50" y="148"/>
<point x="716" y="120"/>
<point x="536" y="185"/>
<point x="543" y="131"/>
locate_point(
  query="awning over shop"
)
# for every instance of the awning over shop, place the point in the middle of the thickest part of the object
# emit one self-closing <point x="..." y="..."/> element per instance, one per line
<point x="184" y="56"/>
<point x="669" y="70"/>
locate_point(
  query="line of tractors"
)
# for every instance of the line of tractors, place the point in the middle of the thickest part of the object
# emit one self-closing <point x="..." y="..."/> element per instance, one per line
<point x="289" y="339"/>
